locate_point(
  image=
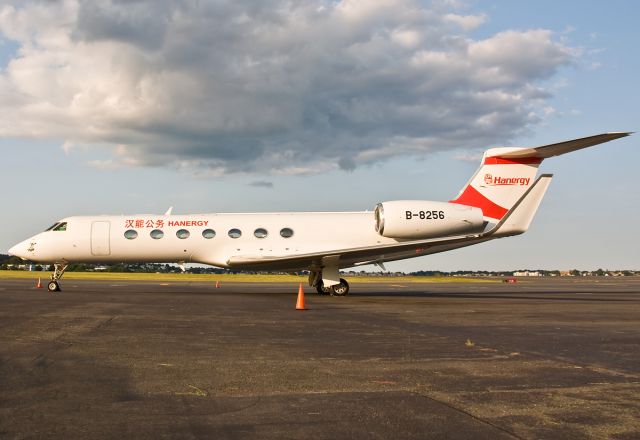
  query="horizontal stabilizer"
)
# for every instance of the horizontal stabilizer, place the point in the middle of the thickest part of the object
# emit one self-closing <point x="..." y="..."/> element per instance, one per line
<point x="551" y="150"/>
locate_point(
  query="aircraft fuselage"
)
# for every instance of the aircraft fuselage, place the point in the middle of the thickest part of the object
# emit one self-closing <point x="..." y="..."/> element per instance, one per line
<point x="200" y="238"/>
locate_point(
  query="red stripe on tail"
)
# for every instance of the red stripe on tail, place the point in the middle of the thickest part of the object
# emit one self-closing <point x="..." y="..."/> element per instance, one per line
<point x="495" y="160"/>
<point x="471" y="197"/>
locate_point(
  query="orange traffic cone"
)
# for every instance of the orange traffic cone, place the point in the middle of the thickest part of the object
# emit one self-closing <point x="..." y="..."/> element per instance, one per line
<point x="300" y="302"/>
<point x="217" y="284"/>
<point x="39" y="285"/>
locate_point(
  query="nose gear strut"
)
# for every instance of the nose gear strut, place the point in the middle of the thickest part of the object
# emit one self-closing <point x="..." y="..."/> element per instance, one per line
<point x="58" y="271"/>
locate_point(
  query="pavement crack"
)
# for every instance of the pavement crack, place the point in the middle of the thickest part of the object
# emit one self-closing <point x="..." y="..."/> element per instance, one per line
<point x="104" y="323"/>
<point x="468" y="414"/>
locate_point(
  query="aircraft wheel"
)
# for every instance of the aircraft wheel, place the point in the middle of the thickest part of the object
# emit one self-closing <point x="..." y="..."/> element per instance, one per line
<point x="341" y="289"/>
<point x="53" y="286"/>
<point x="323" y="290"/>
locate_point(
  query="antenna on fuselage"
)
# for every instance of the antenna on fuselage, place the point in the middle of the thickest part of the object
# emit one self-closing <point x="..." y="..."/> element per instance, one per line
<point x="169" y="210"/>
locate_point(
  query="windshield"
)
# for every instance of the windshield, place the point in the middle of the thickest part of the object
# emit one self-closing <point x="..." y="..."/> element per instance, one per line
<point x="52" y="226"/>
<point x="60" y="227"/>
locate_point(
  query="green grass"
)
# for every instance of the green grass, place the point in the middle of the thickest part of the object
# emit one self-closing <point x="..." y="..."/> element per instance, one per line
<point x="228" y="278"/>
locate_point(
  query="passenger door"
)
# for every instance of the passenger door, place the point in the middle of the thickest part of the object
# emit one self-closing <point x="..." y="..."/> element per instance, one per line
<point x="100" y="238"/>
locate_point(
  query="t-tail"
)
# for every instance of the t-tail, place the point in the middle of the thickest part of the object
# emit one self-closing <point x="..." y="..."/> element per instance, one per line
<point x="507" y="173"/>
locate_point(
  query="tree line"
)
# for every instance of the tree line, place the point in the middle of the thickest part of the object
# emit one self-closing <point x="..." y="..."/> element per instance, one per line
<point x="15" y="263"/>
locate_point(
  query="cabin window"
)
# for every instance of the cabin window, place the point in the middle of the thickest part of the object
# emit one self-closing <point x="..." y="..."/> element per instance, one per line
<point x="182" y="234"/>
<point x="235" y="233"/>
<point x="130" y="234"/>
<point x="286" y="232"/>
<point x="208" y="233"/>
<point x="61" y="227"/>
<point x="156" y="234"/>
<point x="260" y="233"/>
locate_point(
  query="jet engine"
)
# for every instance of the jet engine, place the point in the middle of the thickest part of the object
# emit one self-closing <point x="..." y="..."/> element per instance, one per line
<point x="418" y="219"/>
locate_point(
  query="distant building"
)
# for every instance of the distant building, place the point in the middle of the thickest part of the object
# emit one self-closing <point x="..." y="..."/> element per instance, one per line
<point x="527" y="273"/>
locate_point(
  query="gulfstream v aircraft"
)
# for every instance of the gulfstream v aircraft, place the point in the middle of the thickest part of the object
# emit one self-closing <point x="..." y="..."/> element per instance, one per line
<point x="500" y="200"/>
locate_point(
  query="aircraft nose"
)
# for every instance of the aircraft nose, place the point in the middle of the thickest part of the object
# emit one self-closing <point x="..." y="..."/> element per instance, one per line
<point x="19" y="250"/>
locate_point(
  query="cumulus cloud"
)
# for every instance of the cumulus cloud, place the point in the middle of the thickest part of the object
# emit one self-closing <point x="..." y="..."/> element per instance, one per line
<point x="277" y="86"/>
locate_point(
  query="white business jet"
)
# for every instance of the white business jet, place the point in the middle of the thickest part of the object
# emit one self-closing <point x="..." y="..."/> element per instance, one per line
<point x="500" y="200"/>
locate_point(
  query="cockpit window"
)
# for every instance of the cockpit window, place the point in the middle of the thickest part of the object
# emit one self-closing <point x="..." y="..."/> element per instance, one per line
<point x="52" y="226"/>
<point x="61" y="227"/>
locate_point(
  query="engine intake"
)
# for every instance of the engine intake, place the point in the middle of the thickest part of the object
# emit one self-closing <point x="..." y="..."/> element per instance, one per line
<point x="417" y="219"/>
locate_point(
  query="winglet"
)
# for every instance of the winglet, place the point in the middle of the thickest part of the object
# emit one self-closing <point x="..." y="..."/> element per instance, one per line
<point x="519" y="217"/>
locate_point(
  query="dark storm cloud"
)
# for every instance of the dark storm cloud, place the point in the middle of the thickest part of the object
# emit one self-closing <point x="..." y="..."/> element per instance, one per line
<point x="130" y="22"/>
<point x="272" y="87"/>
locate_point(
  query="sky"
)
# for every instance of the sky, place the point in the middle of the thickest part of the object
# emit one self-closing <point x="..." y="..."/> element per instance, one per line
<point x="122" y="107"/>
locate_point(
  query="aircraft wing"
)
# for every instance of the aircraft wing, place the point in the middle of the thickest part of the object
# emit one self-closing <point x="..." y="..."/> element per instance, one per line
<point x="353" y="256"/>
<point x="516" y="221"/>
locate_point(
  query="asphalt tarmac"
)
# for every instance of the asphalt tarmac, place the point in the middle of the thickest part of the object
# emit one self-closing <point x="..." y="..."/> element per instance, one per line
<point x="548" y="358"/>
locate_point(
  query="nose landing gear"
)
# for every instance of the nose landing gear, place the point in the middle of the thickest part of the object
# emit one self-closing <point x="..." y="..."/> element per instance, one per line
<point x="58" y="271"/>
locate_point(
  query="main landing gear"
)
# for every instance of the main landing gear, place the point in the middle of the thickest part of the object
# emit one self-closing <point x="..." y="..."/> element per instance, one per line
<point x="341" y="289"/>
<point x="58" y="271"/>
<point x="323" y="290"/>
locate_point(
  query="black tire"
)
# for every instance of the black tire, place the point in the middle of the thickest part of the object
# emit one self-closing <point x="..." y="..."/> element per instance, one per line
<point x="341" y="289"/>
<point x="53" y="286"/>
<point x="323" y="290"/>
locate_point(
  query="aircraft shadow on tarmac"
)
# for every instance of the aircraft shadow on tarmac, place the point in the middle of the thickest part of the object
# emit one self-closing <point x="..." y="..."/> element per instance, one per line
<point x="530" y="295"/>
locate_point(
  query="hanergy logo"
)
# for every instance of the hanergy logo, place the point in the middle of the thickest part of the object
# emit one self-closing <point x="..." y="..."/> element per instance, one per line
<point x="500" y="181"/>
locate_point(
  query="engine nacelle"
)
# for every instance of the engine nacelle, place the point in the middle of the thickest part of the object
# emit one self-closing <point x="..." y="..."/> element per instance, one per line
<point x="417" y="219"/>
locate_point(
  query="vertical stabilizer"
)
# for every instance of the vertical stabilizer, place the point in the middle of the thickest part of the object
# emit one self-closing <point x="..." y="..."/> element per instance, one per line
<point x="499" y="183"/>
<point x="507" y="173"/>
